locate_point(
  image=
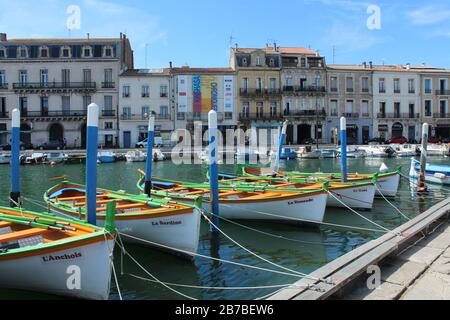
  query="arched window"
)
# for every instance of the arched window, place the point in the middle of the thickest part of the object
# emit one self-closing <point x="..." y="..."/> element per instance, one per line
<point x="108" y="52"/>
<point x="3" y="52"/>
<point x="66" y="52"/>
<point x="43" y="52"/>
<point x="86" y="52"/>
<point x="22" y="52"/>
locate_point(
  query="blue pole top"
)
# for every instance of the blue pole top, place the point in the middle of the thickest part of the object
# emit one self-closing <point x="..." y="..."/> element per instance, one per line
<point x="343" y="123"/>
<point x="15" y="123"/>
<point x="92" y="118"/>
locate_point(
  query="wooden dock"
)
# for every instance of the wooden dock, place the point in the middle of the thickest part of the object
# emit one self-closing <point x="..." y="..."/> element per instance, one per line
<point x="347" y="276"/>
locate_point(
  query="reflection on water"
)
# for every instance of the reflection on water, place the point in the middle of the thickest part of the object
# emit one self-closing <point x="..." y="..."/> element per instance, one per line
<point x="297" y="248"/>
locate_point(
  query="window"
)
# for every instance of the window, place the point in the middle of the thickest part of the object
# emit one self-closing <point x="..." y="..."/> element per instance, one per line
<point x="126" y="91"/>
<point x="108" y="52"/>
<point x="411" y="86"/>
<point x="383" y="109"/>
<point x="65" y="76"/>
<point x="397" y="109"/>
<point x="228" y="115"/>
<point x="428" y="108"/>
<point x="381" y="85"/>
<point x="303" y="62"/>
<point x="273" y="109"/>
<point x="3" y="52"/>
<point x="66" y="52"/>
<point x="145" y="91"/>
<point x="365" y="84"/>
<point x="87" y="75"/>
<point x="65" y="105"/>
<point x="163" y="91"/>
<point x="244" y="62"/>
<point x="43" y="52"/>
<point x="289" y="81"/>
<point x="258" y="61"/>
<point x="245" y="109"/>
<point x="44" y="77"/>
<point x="428" y="86"/>
<point x="87" y="52"/>
<point x="349" y="107"/>
<point x="349" y="82"/>
<point x="245" y="83"/>
<point x="259" y="84"/>
<point x="126" y="112"/>
<point x="365" y="108"/>
<point x="164" y="112"/>
<point x="23" y="52"/>
<point x="145" y="112"/>
<point x="2" y="78"/>
<point x="86" y="102"/>
<point x="271" y="62"/>
<point x="333" y="84"/>
<point x="273" y="84"/>
<point x="397" y="85"/>
<point x="108" y="76"/>
<point x="108" y="125"/>
<point x="44" y="106"/>
<point x="108" y="103"/>
<point x="259" y="109"/>
<point x="23" y="104"/>
<point x="23" y="77"/>
<point x="334" y="108"/>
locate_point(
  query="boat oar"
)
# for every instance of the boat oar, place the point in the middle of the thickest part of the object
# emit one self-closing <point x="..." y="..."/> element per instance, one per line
<point x="65" y="177"/>
<point x="29" y="223"/>
<point x="36" y="221"/>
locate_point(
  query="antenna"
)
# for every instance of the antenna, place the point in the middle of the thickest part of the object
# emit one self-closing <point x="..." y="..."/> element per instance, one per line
<point x="231" y="39"/>
<point x="334" y="54"/>
<point x="146" y="47"/>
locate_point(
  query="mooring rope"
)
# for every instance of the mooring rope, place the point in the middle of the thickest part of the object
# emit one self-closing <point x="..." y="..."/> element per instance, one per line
<point x="393" y="206"/>
<point x="111" y="261"/>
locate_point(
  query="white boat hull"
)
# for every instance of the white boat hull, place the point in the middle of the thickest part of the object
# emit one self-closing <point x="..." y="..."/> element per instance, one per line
<point x="431" y="178"/>
<point x="387" y="185"/>
<point x="52" y="272"/>
<point x="358" y="197"/>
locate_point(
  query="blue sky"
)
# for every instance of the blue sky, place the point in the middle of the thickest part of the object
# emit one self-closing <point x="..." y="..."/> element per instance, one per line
<point x="198" y="32"/>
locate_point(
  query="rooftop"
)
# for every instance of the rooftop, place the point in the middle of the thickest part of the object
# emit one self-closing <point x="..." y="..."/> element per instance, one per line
<point x="386" y="68"/>
<point x="146" y="72"/>
<point x="189" y="70"/>
<point x="282" y="50"/>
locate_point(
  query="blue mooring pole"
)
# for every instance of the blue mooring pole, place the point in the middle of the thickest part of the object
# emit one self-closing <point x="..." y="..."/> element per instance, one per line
<point x="148" y="164"/>
<point x="344" y="149"/>
<point x="15" y="159"/>
<point x="213" y="167"/>
<point x="91" y="163"/>
<point x="280" y="145"/>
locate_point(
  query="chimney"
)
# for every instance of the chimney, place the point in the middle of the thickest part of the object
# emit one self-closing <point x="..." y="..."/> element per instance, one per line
<point x="236" y="46"/>
<point x="370" y="64"/>
<point x="170" y="64"/>
<point x="365" y="64"/>
<point x="275" y="47"/>
<point x="121" y="34"/>
<point x="3" y="37"/>
<point x="88" y="35"/>
<point x="408" y="66"/>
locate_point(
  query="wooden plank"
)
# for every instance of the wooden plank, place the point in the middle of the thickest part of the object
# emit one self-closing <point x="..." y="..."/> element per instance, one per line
<point x="378" y="246"/>
<point x="22" y="234"/>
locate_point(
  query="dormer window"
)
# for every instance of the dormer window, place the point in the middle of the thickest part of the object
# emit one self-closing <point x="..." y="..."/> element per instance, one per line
<point x="43" y="52"/>
<point x="66" y="52"/>
<point x="23" y="52"/>
<point x="108" y="52"/>
<point x="258" y="61"/>
<point x="3" y="52"/>
<point x="272" y="62"/>
<point x="87" y="52"/>
<point x="244" y="62"/>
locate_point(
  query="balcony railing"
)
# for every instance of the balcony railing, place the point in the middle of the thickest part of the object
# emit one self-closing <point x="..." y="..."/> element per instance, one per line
<point x="108" y="113"/>
<point x="53" y="114"/>
<point x="350" y="115"/>
<point x="305" y="113"/>
<point x="443" y="92"/>
<point x="396" y="115"/>
<point x="108" y="85"/>
<point x="297" y="89"/>
<point x="442" y="115"/>
<point x="4" y="115"/>
<point x="54" y="85"/>
<point x="3" y="86"/>
<point x="259" y="92"/>
<point x="259" y="116"/>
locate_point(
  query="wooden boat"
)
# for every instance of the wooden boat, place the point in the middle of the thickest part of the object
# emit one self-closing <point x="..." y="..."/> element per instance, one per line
<point x="248" y="203"/>
<point x="41" y="252"/>
<point x="106" y="157"/>
<point x="438" y="174"/>
<point x="288" y="154"/>
<point x="357" y="195"/>
<point x="387" y="182"/>
<point x="161" y="221"/>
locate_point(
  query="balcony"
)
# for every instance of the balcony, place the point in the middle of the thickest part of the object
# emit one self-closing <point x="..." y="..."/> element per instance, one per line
<point x="108" y="85"/>
<point x="259" y="117"/>
<point x="305" y="113"/>
<point x="108" y="113"/>
<point x="41" y="87"/>
<point x="4" y="115"/>
<point x="303" y="89"/>
<point x="61" y="114"/>
<point x="162" y="116"/>
<point x="247" y="92"/>
<point x="443" y="92"/>
<point x="365" y="90"/>
<point x="397" y="115"/>
<point x="163" y="95"/>
<point x="350" y="115"/>
<point x="442" y="115"/>
<point x="3" y="86"/>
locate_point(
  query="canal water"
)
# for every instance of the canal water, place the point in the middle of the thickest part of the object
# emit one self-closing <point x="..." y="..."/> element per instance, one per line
<point x="297" y="248"/>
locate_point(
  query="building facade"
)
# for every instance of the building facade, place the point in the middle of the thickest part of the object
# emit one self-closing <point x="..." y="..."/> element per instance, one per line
<point x="142" y="93"/>
<point x="200" y="90"/>
<point x="303" y="78"/>
<point x="52" y="81"/>
<point x="396" y="102"/>
<point x="435" y="94"/>
<point x="350" y="95"/>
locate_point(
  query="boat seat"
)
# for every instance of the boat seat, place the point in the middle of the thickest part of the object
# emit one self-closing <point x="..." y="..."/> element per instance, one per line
<point x="4" y="224"/>
<point x="83" y="204"/>
<point x="61" y="191"/>
<point x="164" y="184"/>
<point x="22" y="234"/>
<point x="263" y="196"/>
<point x="126" y="206"/>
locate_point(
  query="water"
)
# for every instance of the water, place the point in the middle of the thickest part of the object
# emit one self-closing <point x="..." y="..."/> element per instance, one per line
<point x="304" y="250"/>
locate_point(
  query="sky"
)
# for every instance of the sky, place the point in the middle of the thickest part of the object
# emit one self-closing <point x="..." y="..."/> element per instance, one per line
<point x="199" y="33"/>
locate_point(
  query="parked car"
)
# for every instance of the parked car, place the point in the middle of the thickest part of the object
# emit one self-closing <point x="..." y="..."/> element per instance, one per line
<point x="434" y="140"/>
<point x="23" y="146"/>
<point x="397" y="140"/>
<point x="376" y="141"/>
<point x="52" y="145"/>
<point x="143" y="144"/>
<point x="446" y="140"/>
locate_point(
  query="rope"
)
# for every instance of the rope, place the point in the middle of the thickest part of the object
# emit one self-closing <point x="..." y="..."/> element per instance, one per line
<point x="111" y="255"/>
<point x="353" y="199"/>
<point x="311" y="221"/>
<point x="393" y="206"/>
<point x="254" y="254"/>
<point x="360" y="215"/>
<point x="211" y="258"/>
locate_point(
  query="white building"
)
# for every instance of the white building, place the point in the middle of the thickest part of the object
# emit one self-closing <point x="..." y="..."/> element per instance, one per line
<point x="200" y="90"/>
<point x="52" y="81"/>
<point x="144" y="92"/>
<point x="396" y="102"/>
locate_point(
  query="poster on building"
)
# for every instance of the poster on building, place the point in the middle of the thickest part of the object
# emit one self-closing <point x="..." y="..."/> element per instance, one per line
<point x="182" y="94"/>
<point x="208" y="83"/>
<point x="196" y="94"/>
<point x="228" y="94"/>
